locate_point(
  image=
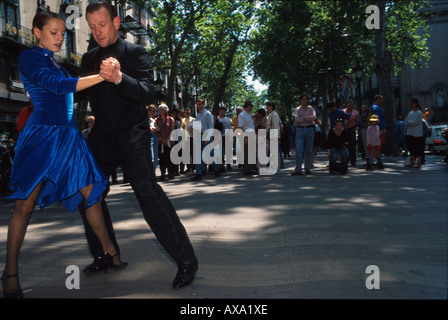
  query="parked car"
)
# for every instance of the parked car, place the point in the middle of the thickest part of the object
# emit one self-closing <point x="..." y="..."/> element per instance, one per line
<point x="435" y="142"/>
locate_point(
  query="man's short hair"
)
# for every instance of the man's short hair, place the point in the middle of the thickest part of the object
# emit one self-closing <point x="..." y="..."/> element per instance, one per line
<point x="95" y="5"/>
<point x="247" y="104"/>
<point x="271" y="104"/>
<point x="378" y="97"/>
<point x="330" y="105"/>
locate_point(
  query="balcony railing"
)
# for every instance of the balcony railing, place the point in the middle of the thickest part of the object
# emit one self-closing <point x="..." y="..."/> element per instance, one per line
<point x="25" y="37"/>
<point x="19" y="34"/>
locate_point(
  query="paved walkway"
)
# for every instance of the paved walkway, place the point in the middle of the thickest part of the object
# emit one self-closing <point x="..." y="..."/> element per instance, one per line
<point x="262" y="237"/>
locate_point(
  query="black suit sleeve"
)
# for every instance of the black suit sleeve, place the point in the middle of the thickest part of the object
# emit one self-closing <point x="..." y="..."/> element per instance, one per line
<point x="138" y="79"/>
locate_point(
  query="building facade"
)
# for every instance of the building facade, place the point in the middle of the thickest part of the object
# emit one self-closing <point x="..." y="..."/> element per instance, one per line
<point x="430" y="84"/>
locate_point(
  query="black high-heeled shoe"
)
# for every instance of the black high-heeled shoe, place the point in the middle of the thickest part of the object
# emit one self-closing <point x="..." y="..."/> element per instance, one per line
<point x="108" y="261"/>
<point x="11" y="295"/>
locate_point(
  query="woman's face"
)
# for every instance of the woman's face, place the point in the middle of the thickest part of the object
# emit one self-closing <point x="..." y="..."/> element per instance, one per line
<point x="413" y="105"/>
<point x="51" y="37"/>
<point x="338" y="125"/>
<point x="304" y="101"/>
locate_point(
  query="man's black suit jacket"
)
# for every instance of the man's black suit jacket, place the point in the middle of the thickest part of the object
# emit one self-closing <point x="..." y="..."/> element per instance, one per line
<point x="121" y="119"/>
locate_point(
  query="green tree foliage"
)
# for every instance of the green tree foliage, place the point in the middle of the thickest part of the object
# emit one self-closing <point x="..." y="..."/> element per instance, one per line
<point x="204" y="44"/>
<point x="295" y="40"/>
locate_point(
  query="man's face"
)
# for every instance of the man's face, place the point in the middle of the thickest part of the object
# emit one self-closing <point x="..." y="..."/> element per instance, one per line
<point x="268" y="108"/>
<point x="104" y="30"/>
<point x="222" y="113"/>
<point x="304" y="101"/>
<point x="200" y="106"/>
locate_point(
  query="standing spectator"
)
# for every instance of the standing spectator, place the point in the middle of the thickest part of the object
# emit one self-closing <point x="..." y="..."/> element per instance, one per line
<point x="24" y="114"/>
<point x="351" y="125"/>
<point x="363" y="125"/>
<point x="166" y="125"/>
<point x="415" y="140"/>
<point x="285" y="138"/>
<point x="90" y="123"/>
<point x="378" y="111"/>
<point x="304" y="117"/>
<point x="174" y="113"/>
<point x="399" y="132"/>
<point x="334" y="113"/>
<point x="337" y="143"/>
<point x="273" y="122"/>
<point x="238" y="110"/>
<point x="317" y="139"/>
<point x="259" y="119"/>
<point x="153" y="128"/>
<point x="227" y="125"/>
<point x="207" y="122"/>
<point x="374" y="142"/>
<point x="187" y="125"/>
<point x="246" y="124"/>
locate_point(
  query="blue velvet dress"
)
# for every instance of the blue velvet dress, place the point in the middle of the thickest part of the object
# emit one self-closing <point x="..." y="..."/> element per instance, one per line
<point x="51" y="149"/>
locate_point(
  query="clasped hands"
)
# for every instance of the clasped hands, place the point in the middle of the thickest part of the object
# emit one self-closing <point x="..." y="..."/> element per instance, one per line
<point x="110" y="70"/>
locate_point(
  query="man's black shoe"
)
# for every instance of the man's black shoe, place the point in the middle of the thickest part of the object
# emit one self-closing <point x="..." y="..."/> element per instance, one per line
<point x="96" y="266"/>
<point x="185" y="274"/>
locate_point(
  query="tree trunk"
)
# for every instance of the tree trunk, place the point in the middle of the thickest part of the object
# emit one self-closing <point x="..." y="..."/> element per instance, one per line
<point x="383" y="70"/>
<point x="223" y="81"/>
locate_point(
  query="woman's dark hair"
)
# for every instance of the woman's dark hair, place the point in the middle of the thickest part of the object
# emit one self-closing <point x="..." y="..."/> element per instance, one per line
<point x="42" y="17"/>
<point x="417" y="103"/>
<point x="330" y="105"/>
<point x="98" y="4"/>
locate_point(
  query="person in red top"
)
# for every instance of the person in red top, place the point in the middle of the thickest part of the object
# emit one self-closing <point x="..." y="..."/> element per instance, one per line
<point x="23" y="116"/>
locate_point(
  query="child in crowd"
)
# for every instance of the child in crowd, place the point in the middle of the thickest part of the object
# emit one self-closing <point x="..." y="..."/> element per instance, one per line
<point x="374" y="142"/>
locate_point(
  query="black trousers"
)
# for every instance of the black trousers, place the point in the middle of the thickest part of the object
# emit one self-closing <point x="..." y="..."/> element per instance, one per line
<point x="352" y="145"/>
<point x="157" y="209"/>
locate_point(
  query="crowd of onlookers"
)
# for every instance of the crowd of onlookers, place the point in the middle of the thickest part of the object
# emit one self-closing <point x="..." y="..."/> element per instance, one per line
<point x="349" y="132"/>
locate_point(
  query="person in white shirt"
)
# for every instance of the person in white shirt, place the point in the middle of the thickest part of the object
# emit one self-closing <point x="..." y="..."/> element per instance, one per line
<point x="273" y="122"/>
<point x="415" y="139"/>
<point x="187" y="125"/>
<point x="207" y="122"/>
<point x="227" y="124"/>
<point x="246" y="123"/>
<point x="153" y="128"/>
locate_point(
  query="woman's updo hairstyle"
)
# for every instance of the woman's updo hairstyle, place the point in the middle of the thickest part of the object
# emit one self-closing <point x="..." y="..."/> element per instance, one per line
<point x="42" y="17"/>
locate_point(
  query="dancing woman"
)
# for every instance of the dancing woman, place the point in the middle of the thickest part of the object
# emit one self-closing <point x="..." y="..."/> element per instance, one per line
<point x="53" y="161"/>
